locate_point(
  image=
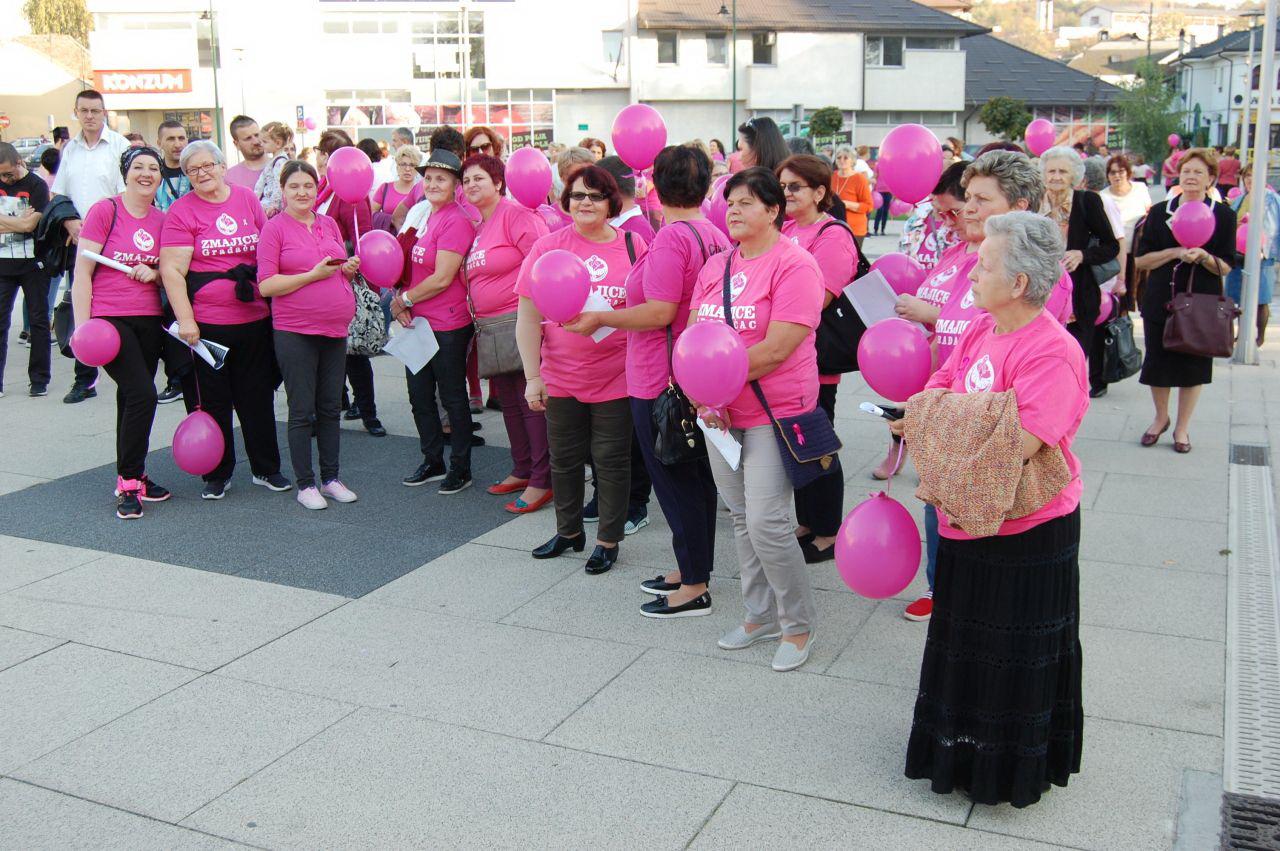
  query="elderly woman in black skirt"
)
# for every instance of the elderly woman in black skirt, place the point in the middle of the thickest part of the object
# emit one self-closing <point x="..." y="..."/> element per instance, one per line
<point x="1168" y="263"/>
<point x="999" y="709"/>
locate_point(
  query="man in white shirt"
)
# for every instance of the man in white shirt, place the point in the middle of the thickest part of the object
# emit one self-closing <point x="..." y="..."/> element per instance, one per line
<point x="247" y="138"/>
<point x="89" y="171"/>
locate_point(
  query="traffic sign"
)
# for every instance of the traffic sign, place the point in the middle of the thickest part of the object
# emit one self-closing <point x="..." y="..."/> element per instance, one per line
<point x="4" y="121"/>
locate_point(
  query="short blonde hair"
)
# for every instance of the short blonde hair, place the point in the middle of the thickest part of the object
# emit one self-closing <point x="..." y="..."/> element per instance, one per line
<point x="573" y="159"/>
<point x="409" y="152"/>
<point x="1206" y="156"/>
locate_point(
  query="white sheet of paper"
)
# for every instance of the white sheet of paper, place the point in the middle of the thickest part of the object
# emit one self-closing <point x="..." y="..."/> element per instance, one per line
<point x="106" y="261"/>
<point x="874" y="299"/>
<point x="595" y="301"/>
<point x="724" y="442"/>
<point x="413" y="346"/>
<point x="202" y="351"/>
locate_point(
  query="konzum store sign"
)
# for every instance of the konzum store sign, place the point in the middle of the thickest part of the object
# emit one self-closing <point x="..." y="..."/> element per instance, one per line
<point x="143" y="82"/>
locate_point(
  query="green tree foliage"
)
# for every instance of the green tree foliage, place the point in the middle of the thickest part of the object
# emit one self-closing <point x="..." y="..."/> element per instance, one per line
<point x="1005" y="117"/>
<point x="827" y="121"/>
<point x="59" y="17"/>
<point x="1147" y="112"/>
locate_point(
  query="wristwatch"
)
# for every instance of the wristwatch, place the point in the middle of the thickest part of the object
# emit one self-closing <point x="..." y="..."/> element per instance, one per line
<point x="404" y="297"/>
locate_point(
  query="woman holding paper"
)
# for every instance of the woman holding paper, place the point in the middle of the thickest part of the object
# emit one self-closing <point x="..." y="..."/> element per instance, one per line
<point x="581" y="382"/>
<point x="209" y="263"/>
<point x="433" y="289"/>
<point x="303" y="267"/>
<point x="115" y="279"/>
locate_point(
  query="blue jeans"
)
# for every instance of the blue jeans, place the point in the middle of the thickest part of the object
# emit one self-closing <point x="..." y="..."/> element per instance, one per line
<point x="931" y="542"/>
<point x="53" y="295"/>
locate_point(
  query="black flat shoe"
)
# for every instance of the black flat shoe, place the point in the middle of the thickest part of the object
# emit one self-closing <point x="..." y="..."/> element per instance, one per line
<point x="813" y="555"/>
<point x="602" y="559"/>
<point x="1097" y="393"/>
<point x="559" y="544"/>
<point x="662" y="608"/>
<point x="353" y="413"/>
<point x="374" y="427"/>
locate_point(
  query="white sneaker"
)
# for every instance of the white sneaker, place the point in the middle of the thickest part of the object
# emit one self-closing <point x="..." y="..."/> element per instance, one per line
<point x="739" y="639"/>
<point x="311" y="498"/>
<point x="336" y="490"/>
<point x="788" y="657"/>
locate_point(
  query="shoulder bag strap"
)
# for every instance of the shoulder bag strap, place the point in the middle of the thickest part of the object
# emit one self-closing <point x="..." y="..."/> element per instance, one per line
<point x="631" y="246"/>
<point x="728" y="317"/>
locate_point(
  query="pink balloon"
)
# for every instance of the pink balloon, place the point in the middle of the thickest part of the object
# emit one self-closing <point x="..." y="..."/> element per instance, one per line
<point x="198" y="444"/>
<point x="718" y="212"/>
<point x="96" y="343"/>
<point x="910" y="162"/>
<point x="639" y="133"/>
<point x="381" y="259"/>
<point x="878" y="548"/>
<point x="1174" y="140"/>
<point x="1192" y="224"/>
<point x="877" y="200"/>
<point x="350" y="174"/>
<point x="1242" y="238"/>
<point x="898" y="207"/>
<point x="1039" y="136"/>
<point x="561" y="284"/>
<point x="309" y="123"/>
<point x="710" y="363"/>
<point x="1234" y="192"/>
<point x="529" y="177"/>
<point x="1107" y="309"/>
<point x="903" y="274"/>
<point x="894" y="359"/>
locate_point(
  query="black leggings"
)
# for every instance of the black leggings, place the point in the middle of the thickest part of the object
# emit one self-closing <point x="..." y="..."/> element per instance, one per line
<point x="134" y="372"/>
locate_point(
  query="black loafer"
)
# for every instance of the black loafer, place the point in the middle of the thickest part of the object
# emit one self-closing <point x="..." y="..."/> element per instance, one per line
<point x="374" y="427"/>
<point x="813" y="555"/>
<point x="602" y="559"/>
<point x="662" y="608"/>
<point x="659" y="586"/>
<point x="353" y="413"/>
<point x="559" y="544"/>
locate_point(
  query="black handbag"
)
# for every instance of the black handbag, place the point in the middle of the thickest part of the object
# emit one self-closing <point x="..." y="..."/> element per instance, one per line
<point x="64" y="318"/>
<point x="840" y="329"/>
<point x="807" y="443"/>
<point x="676" y="436"/>
<point x="1121" y="356"/>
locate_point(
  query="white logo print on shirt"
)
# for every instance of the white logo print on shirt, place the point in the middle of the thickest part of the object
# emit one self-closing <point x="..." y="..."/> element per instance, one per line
<point x="597" y="267"/>
<point x="226" y="225"/>
<point x="143" y="240"/>
<point x="967" y="301"/>
<point x="946" y="274"/>
<point x="737" y="284"/>
<point x="980" y="377"/>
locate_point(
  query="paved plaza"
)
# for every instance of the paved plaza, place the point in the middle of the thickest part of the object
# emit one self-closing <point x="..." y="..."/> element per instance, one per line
<point x="400" y="673"/>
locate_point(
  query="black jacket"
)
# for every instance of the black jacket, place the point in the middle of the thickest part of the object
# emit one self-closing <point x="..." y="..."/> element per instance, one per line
<point x="52" y="252"/>
<point x="1089" y="231"/>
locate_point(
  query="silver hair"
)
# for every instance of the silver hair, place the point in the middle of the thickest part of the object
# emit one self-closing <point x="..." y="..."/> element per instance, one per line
<point x="1014" y="173"/>
<point x="843" y="150"/>
<point x="1033" y="247"/>
<point x="200" y="146"/>
<point x="1062" y="152"/>
<point x="1095" y="174"/>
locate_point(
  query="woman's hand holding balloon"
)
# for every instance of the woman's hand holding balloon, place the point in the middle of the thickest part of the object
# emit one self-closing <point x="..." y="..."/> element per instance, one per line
<point x="585" y="324"/>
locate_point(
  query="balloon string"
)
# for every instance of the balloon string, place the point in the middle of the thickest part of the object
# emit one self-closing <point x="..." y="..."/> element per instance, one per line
<point x="355" y="226"/>
<point x="897" y="465"/>
<point x="195" y="376"/>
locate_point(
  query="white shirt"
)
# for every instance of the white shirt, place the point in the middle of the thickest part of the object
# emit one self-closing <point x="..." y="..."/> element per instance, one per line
<point x="384" y="171"/>
<point x="88" y="174"/>
<point x="1132" y="206"/>
<point x="1116" y="218"/>
<point x="861" y="167"/>
<point x="629" y="214"/>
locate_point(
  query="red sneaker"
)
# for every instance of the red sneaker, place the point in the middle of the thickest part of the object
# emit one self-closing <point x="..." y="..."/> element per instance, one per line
<point x="920" y="610"/>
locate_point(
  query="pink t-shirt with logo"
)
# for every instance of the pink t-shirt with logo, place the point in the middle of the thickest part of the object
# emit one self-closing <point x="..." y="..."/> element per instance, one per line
<point x="1044" y="366"/>
<point x="668" y="272"/>
<point x="221" y="236"/>
<point x="496" y="254"/>
<point x="388" y="197"/>
<point x="836" y="254"/>
<point x="950" y="273"/>
<point x="131" y="241"/>
<point x="573" y="365"/>
<point x="448" y="229"/>
<point x="782" y="285"/>
<point x="288" y="247"/>
<point x="241" y="175"/>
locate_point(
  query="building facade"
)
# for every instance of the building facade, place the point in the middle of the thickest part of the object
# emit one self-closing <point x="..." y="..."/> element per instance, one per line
<point x="1219" y="90"/>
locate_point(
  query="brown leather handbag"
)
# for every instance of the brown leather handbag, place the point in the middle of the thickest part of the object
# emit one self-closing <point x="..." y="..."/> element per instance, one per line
<point x="1200" y="323"/>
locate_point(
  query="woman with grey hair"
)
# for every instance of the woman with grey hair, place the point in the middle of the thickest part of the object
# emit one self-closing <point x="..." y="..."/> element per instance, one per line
<point x="1089" y="237"/>
<point x="999" y="711"/>
<point x="209" y="265"/>
<point x="1095" y="181"/>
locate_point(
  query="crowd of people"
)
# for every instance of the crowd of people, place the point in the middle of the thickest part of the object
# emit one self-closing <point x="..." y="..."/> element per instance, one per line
<point x="261" y="257"/>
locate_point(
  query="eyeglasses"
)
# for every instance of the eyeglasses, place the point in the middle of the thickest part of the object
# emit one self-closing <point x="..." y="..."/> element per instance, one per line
<point x="593" y="197"/>
<point x="197" y="170"/>
<point x="794" y="188"/>
<point x="486" y="148"/>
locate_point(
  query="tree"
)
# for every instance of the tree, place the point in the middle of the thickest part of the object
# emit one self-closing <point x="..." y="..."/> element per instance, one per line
<point x="59" y="17"/>
<point x="1147" y="112"/>
<point x="824" y="122"/>
<point x="1005" y="116"/>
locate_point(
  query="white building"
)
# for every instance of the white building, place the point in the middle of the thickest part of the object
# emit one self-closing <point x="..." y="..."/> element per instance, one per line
<point x="1217" y="87"/>
<point x="1201" y="25"/>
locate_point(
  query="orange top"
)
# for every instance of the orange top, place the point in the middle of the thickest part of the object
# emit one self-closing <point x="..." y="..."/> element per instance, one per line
<point x="855" y="191"/>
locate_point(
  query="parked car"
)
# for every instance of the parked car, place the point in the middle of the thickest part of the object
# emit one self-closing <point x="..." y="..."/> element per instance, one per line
<point x="33" y="160"/>
<point x="27" y="144"/>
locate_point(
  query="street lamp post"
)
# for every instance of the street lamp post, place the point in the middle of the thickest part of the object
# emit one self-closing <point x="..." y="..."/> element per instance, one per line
<point x="217" y="100"/>
<point x="733" y="71"/>
<point x="1248" y="86"/>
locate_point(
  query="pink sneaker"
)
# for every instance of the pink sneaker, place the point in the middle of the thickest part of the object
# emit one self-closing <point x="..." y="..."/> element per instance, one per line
<point x="337" y="491"/>
<point x="885" y="470"/>
<point x="920" y="610"/>
<point x="311" y="498"/>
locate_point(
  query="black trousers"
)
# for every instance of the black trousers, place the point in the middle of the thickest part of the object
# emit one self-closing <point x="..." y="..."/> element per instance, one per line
<point x="687" y="495"/>
<point x="246" y="384"/>
<point x="1084" y="330"/>
<point x="85" y="375"/>
<point x="176" y="355"/>
<point x="360" y="373"/>
<point x="601" y="430"/>
<point x="447" y="374"/>
<point x="820" y="504"/>
<point x="35" y="299"/>
<point x="1095" y="354"/>
<point x="134" y="372"/>
<point x="312" y="367"/>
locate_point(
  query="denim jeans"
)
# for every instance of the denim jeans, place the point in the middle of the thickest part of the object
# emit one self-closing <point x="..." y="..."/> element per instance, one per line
<point x="931" y="542"/>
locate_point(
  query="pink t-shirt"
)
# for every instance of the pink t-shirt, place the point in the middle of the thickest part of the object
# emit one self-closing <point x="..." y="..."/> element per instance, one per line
<point x="448" y="229"/>
<point x="131" y="241"/>
<point x="289" y="247"/>
<point x="836" y="254"/>
<point x="418" y="193"/>
<point x="782" y="285"/>
<point x="668" y="272"/>
<point x="950" y="273"/>
<point x="1045" y="368"/>
<point x="496" y="254"/>
<point x="388" y="197"/>
<point x="1059" y="304"/>
<point x="638" y="223"/>
<point x="573" y="365"/>
<point x="241" y="175"/>
<point x="221" y="236"/>
<point x="554" y="217"/>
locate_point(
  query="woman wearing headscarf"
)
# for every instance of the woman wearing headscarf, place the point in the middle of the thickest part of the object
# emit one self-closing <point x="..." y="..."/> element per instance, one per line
<point x="126" y="229"/>
<point x="209" y="264"/>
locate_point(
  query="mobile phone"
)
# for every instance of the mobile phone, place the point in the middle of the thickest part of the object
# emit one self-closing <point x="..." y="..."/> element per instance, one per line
<point x="887" y="413"/>
<point x="336" y="261"/>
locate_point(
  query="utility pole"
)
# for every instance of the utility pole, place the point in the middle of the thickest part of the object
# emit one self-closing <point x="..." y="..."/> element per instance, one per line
<point x="1151" y="18"/>
<point x="1242" y="142"/>
<point x="217" y="101"/>
<point x="733" y="71"/>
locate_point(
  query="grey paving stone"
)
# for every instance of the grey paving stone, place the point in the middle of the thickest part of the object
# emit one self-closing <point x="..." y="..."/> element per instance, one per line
<point x="752" y="817"/>
<point x="59" y="696"/>
<point x="176" y="754"/>
<point x="1123" y="537"/>
<point x="17" y="646"/>
<point x="1207" y="463"/>
<point x="23" y="561"/>
<point x="382" y="780"/>
<point x="37" y="819"/>
<point x="13" y="482"/>
<point x="1170" y="499"/>
<point x="887" y="649"/>
<point x="809" y="734"/>
<point x="172" y="614"/>
<point x="1153" y="599"/>
<point x="505" y="679"/>
<point x="1125" y="796"/>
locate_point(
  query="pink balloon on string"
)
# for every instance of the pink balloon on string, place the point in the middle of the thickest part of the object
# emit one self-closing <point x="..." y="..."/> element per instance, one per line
<point x="1174" y="140"/>
<point x="198" y="444"/>
<point x="350" y="174"/>
<point x="1192" y="224"/>
<point x="899" y="207"/>
<point x="1107" y="308"/>
<point x="381" y="258"/>
<point x="877" y="200"/>
<point x="894" y="358"/>
<point x="1242" y="238"/>
<point x="910" y="162"/>
<point x="718" y="211"/>
<point x="710" y="363"/>
<point x="903" y="274"/>
<point x="309" y="123"/>
<point x="560" y="285"/>
<point x="639" y="134"/>
<point x="529" y="177"/>
<point x="878" y="548"/>
<point x="96" y="342"/>
<point x="1039" y="136"/>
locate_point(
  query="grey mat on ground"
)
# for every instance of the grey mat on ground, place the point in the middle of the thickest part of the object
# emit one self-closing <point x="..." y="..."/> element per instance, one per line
<point x="253" y="532"/>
